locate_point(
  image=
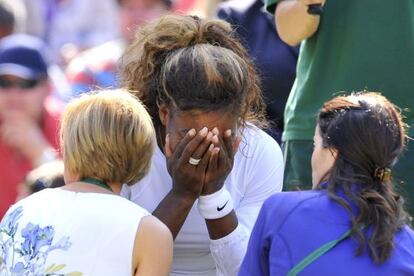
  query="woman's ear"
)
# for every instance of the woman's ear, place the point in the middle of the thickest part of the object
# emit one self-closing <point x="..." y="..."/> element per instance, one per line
<point x="163" y="113"/>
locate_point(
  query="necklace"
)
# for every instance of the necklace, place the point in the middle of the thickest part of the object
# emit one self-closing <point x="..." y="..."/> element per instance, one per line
<point x="97" y="182"/>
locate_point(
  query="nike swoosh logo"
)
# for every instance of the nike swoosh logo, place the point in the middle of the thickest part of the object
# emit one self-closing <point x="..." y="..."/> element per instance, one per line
<point x="222" y="207"/>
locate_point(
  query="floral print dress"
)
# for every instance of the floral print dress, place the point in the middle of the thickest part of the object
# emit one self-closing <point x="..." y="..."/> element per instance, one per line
<point x="39" y="237"/>
<point x="25" y="252"/>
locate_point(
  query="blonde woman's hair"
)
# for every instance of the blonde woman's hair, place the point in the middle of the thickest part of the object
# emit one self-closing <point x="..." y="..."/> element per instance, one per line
<point x="107" y="135"/>
<point x="190" y="63"/>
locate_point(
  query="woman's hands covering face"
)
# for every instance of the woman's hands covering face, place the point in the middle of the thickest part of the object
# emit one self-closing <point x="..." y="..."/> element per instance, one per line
<point x="216" y="155"/>
<point x="223" y="149"/>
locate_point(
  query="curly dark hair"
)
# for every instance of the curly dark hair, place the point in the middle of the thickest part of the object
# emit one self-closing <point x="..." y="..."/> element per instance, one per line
<point x="368" y="133"/>
<point x="191" y="63"/>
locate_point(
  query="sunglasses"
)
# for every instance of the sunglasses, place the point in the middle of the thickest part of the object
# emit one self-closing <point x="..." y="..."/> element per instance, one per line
<point x="22" y="84"/>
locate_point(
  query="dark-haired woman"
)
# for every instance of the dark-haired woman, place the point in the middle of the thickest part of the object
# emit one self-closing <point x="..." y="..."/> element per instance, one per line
<point x="353" y="223"/>
<point x="214" y="166"/>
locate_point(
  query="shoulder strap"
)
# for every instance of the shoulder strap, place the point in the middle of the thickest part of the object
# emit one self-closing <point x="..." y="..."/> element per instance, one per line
<point x="317" y="253"/>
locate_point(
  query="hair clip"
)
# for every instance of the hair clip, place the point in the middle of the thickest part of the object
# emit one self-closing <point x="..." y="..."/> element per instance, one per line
<point x="382" y="174"/>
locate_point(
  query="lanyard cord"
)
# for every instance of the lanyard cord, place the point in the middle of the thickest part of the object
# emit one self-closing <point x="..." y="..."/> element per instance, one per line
<point x="317" y="253"/>
<point x="97" y="182"/>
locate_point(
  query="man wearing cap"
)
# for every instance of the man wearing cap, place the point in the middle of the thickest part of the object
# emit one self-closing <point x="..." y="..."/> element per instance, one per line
<point x="98" y="66"/>
<point x="28" y="117"/>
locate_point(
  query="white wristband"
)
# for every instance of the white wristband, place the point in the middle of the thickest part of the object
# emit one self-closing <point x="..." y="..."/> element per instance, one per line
<point x="216" y="205"/>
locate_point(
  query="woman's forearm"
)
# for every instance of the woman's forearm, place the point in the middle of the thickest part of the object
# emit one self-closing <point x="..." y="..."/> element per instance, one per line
<point x="173" y="211"/>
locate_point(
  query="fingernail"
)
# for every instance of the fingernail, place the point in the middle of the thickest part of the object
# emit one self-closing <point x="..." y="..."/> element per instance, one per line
<point x="209" y="135"/>
<point x="216" y="150"/>
<point x="192" y="132"/>
<point x="215" y="139"/>
<point x="215" y="131"/>
<point x="227" y="133"/>
<point x="204" y="131"/>
<point x="211" y="147"/>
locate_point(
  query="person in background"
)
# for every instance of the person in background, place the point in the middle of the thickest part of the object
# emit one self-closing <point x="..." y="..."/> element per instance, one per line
<point x="85" y="227"/>
<point x="7" y="20"/>
<point x="275" y="60"/>
<point x="213" y="167"/>
<point x="66" y="25"/>
<point x="98" y="67"/>
<point x="352" y="46"/>
<point x="48" y="175"/>
<point x="28" y="115"/>
<point x="353" y="223"/>
<point x="59" y="85"/>
<point x="18" y="12"/>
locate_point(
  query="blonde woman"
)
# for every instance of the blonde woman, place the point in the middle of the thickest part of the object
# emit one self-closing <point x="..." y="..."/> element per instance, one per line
<point x="85" y="228"/>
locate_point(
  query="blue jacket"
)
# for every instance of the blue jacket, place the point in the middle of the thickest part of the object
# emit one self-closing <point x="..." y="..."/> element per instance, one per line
<point x="275" y="60"/>
<point x="293" y="224"/>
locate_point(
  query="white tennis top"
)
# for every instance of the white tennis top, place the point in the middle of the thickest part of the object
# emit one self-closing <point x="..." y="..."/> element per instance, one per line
<point x="257" y="173"/>
<point x="61" y="232"/>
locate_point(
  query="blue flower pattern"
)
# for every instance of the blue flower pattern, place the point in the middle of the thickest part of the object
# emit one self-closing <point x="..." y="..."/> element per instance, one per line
<point x="28" y="255"/>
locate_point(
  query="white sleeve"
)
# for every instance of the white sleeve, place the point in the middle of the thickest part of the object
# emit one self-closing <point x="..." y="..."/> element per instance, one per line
<point x="265" y="177"/>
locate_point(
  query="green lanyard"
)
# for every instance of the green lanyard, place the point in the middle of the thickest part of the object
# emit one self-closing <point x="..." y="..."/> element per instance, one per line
<point x="317" y="253"/>
<point x="97" y="182"/>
